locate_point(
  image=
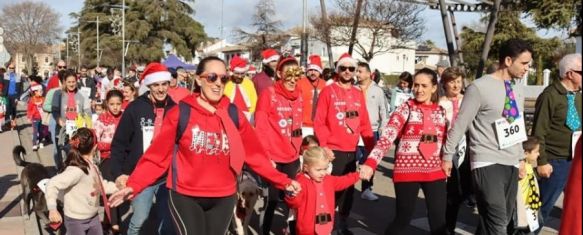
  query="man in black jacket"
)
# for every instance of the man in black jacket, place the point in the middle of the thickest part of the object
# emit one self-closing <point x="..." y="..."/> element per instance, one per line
<point x="87" y="84"/>
<point x="139" y="125"/>
<point x="12" y="89"/>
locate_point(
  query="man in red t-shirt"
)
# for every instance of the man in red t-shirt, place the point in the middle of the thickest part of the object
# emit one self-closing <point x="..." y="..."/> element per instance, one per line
<point x="54" y="81"/>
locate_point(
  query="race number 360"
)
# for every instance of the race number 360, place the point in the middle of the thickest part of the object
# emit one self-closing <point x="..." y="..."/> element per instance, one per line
<point x="510" y="134"/>
<point x="513" y="129"/>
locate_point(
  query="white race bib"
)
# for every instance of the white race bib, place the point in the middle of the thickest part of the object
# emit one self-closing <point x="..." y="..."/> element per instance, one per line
<point x="70" y="127"/>
<point x="307" y="131"/>
<point x="510" y="134"/>
<point x="85" y="91"/>
<point x="42" y="185"/>
<point x="574" y="138"/>
<point x="461" y="151"/>
<point x="532" y="219"/>
<point x="147" y="136"/>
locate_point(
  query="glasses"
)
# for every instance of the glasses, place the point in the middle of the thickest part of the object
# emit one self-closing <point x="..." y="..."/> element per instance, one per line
<point x="10" y="67"/>
<point x="579" y="72"/>
<point x="213" y="77"/>
<point x="343" y="68"/>
<point x="62" y="67"/>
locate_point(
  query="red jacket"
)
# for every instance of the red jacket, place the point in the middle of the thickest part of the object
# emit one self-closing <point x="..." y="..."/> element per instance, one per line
<point x="571" y="217"/>
<point x="53" y="82"/>
<point x="272" y="119"/>
<point x="178" y="93"/>
<point x="331" y="123"/>
<point x="204" y="156"/>
<point x="35" y="104"/>
<point x="307" y="88"/>
<point x="261" y="81"/>
<point x="305" y="201"/>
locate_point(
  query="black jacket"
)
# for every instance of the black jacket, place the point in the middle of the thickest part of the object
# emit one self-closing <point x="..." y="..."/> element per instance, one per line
<point x="127" y="143"/>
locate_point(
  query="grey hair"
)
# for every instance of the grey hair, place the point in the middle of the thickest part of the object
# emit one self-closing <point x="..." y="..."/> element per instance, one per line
<point x="569" y="62"/>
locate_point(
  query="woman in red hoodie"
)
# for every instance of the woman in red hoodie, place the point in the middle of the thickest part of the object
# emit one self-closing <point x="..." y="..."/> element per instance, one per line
<point x="278" y="118"/>
<point x="207" y="159"/>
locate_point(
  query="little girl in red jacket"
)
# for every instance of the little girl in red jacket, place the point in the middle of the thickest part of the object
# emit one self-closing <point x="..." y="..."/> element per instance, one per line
<point x="33" y="112"/>
<point x="315" y="203"/>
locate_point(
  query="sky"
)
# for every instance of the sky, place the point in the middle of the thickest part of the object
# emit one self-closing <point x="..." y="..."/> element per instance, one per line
<point x="238" y="13"/>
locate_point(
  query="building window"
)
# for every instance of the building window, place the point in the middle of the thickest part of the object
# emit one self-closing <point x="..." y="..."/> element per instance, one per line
<point x="46" y="59"/>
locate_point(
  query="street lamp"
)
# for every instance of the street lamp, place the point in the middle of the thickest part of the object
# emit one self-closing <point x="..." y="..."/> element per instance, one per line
<point x="123" y="34"/>
<point x="96" y="21"/>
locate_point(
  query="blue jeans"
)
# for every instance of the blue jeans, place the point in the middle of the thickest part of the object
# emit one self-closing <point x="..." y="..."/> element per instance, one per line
<point x="142" y="204"/>
<point x="57" y="157"/>
<point x="36" y="131"/>
<point x="361" y="156"/>
<point x="552" y="187"/>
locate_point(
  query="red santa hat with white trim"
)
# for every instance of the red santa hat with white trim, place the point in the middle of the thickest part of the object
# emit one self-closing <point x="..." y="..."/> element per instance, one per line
<point x="269" y="55"/>
<point x="238" y="65"/>
<point x="155" y="72"/>
<point x="315" y="63"/>
<point x="346" y="58"/>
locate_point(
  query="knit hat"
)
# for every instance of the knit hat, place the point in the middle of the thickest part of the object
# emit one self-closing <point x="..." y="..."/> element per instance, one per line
<point x="36" y="87"/>
<point x="238" y="65"/>
<point x="346" y="58"/>
<point x="315" y="63"/>
<point x="269" y="55"/>
<point x="155" y="72"/>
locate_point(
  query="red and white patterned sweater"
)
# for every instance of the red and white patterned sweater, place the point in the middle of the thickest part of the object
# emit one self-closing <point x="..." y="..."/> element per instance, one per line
<point x="105" y="126"/>
<point x="406" y="123"/>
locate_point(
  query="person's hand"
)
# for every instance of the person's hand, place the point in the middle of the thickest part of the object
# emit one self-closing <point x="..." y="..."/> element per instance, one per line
<point x="366" y="172"/>
<point x="294" y="188"/>
<point x="329" y="154"/>
<point x="61" y="122"/>
<point x="544" y="170"/>
<point x="521" y="170"/>
<point x="55" y="217"/>
<point x="120" y="196"/>
<point x="121" y="181"/>
<point x="446" y="167"/>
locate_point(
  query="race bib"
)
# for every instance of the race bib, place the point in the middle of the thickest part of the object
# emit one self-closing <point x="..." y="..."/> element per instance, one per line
<point x="532" y="219"/>
<point x="461" y="151"/>
<point x="147" y="136"/>
<point x="70" y="127"/>
<point x="307" y="131"/>
<point x="510" y="134"/>
<point x="42" y="185"/>
<point x="85" y="91"/>
<point x="574" y="138"/>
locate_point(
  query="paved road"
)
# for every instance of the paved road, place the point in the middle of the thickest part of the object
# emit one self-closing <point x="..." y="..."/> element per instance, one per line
<point x="366" y="218"/>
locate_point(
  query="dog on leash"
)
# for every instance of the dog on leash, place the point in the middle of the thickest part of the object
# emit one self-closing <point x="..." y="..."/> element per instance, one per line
<point x="31" y="175"/>
<point x="248" y="193"/>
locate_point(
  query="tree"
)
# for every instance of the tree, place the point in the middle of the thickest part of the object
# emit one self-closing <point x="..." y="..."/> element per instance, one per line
<point x="553" y="14"/>
<point x="29" y="28"/>
<point x="267" y="30"/>
<point x="385" y="25"/>
<point x="509" y="26"/>
<point x="149" y="27"/>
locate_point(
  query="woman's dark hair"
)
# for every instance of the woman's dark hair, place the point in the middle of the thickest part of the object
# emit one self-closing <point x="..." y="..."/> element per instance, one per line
<point x="327" y="74"/>
<point x="66" y="74"/>
<point x="82" y="143"/>
<point x="268" y="70"/>
<point x="433" y="75"/>
<point x="111" y="94"/>
<point x="407" y="77"/>
<point x="450" y="74"/>
<point x="132" y="87"/>
<point x="202" y="67"/>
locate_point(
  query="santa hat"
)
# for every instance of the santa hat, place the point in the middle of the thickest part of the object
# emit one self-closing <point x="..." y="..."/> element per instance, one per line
<point x="269" y="55"/>
<point x="285" y="60"/>
<point x="36" y="87"/>
<point x="252" y="69"/>
<point x="346" y="58"/>
<point x="315" y="63"/>
<point x="238" y="65"/>
<point x="155" y="72"/>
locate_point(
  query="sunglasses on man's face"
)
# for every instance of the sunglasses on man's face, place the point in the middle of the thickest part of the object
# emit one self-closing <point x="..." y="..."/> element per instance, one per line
<point x="62" y="67"/>
<point x="344" y="68"/>
<point x="579" y="72"/>
<point x="10" y="67"/>
<point x="212" y="77"/>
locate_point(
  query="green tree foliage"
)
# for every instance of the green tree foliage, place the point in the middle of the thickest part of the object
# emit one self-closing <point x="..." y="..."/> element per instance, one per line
<point x="509" y="26"/>
<point x="149" y="27"/>
<point x="551" y="13"/>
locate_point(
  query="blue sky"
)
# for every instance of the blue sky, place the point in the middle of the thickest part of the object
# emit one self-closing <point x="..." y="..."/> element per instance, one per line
<point x="238" y="13"/>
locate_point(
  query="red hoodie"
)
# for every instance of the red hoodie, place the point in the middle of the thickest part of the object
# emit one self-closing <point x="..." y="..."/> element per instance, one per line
<point x="333" y="121"/>
<point x="205" y="155"/>
<point x="276" y="118"/>
<point x="34" y="108"/>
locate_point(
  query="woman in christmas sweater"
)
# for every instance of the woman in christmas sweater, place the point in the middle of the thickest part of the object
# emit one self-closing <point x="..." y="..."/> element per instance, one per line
<point x="420" y="123"/>
<point x="279" y="119"/>
<point x="105" y="127"/>
<point x="204" y="163"/>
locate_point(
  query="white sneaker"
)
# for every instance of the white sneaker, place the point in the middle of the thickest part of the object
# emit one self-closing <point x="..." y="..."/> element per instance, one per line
<point x="34" y="147"/>
<point x="369" y="195"/>
<point x="41" y="145"/>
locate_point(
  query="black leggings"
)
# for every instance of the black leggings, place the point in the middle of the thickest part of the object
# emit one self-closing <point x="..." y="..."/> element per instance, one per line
<point x="406" y="196"/>
<point x="275" y="195"/>
<point x="459" y="187"/>
<point x="344" y="163"/>
<point x="201" y="215"/>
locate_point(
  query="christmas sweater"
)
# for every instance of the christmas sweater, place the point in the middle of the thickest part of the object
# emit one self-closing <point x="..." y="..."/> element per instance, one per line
<point x="105" y="126"/>
<point x="34" y="109"/>
<point x="406" y="123"/>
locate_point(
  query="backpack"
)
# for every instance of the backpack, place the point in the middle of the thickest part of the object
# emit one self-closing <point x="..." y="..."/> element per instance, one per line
<point x="183" y="117"/>
<point x="49" y="99"/>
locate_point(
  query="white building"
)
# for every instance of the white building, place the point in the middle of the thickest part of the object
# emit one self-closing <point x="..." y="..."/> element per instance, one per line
<point x="223" y="50"/>
<point x="429" y="56"/>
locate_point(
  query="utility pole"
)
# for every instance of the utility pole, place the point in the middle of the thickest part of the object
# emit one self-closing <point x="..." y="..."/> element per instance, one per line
<point x="97" y="58"/>
<point x="448" y="33"/>
<point x="123" y="38"/>
<point x="355" y="26"/>
<point x="304" y="40"/>
<point x="327" y="33"/>
<point x="458" y="41"/>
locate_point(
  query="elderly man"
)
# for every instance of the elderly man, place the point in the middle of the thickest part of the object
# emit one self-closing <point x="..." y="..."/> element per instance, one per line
<point x="557" y="123"/>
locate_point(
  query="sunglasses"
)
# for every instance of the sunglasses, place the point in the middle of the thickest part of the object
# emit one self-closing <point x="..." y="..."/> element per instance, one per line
<point x="579" y="72"/>
<point x="10" y="67"/>
<point x="212" y="77"/>
<point x="343" y="68"/>
<point x="62" y="67"/>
